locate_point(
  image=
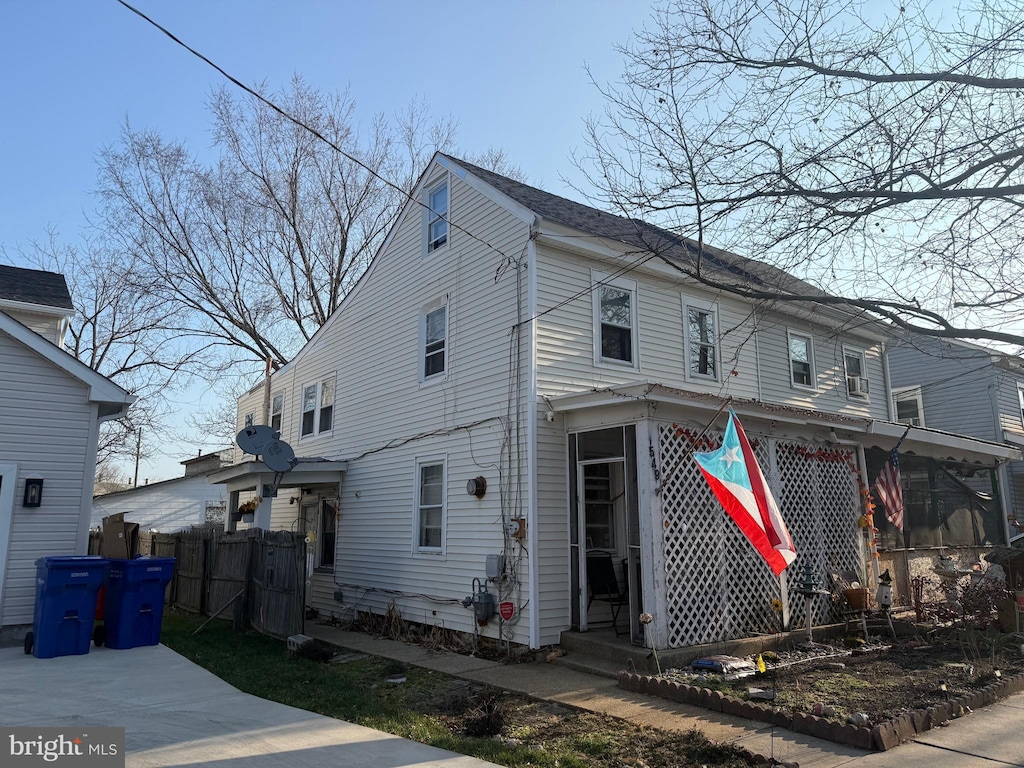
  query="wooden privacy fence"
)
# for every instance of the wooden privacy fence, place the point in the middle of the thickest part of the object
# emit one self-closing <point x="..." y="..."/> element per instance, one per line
<point x="255" y="577"/>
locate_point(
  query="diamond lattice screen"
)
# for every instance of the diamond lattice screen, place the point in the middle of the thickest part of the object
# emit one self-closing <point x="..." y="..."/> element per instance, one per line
<point x="717" y="586"/>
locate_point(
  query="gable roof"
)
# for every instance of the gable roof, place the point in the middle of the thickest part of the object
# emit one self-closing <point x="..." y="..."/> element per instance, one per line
<point x="113" y="400"/>
<point x="672" y="248"/>
<point x="34" y="286"/>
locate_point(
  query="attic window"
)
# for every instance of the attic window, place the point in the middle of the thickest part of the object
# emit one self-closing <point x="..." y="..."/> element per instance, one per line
<point x="437" y="217"/>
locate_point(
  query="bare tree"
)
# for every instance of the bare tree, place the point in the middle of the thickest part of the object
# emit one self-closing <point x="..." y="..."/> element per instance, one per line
<point x="125" y="331"/>
<point x="257" y="250"/>
<point x="876" y="151"/>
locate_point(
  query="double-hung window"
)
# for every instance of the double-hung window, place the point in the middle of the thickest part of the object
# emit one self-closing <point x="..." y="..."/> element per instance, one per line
<point x="430" y="508"/>
<point x="437" y="217"/>
<point x="856" y="380"/>
<point x="801" y="360"/>
<point x="701" y="337"/>
<point x="1020" y="400"/>
<point x="435" y="341"/>
<point x="615" y="321"/>
<point x="909" y="406"/>
<point x="276" y="411"/>
<point x="318" y="407"/>
<point x="250" y="419"/>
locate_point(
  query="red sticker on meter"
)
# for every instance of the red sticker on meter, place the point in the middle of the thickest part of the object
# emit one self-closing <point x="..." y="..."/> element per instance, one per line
<point x="506" y="610"/>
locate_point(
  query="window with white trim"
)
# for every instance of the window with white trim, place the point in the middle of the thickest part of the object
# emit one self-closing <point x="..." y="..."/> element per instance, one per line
<point x="1020" y="400"/>
<point x="615" y="321"/>
<point x="250" y="419"/>
<point x="437" y="216"/>
<point x="701" y="340"/>
<point x="430" y="506"/>
<point x="317" y="407"/>
<point x="276" y="411"/>
<point x="801" y="360"/>
<point x="434" y="335"/>
<point x="856" y="380"/>
<point x="908" y="406"/>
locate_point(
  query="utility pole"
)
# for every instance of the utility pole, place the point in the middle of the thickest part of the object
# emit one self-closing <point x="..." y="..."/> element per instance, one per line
<point x="138" y="453"/>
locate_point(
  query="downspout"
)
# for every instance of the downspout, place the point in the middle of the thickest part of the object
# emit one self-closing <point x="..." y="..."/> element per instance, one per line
<point x="532" y="535"/>
<point x="266" y="393"/>
<point x="889" y="405"/>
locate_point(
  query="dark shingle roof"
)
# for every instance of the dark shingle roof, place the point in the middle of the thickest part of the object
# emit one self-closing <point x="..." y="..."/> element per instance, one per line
<point x="33" y="286"/>
<point x="674" y="249"/>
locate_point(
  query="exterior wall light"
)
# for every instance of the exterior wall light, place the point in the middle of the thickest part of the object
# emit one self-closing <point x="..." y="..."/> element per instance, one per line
<point x="33" y="492"/>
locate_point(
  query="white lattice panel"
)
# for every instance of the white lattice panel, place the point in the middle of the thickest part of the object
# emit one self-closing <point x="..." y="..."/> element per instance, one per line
<point x="717" y="586"/>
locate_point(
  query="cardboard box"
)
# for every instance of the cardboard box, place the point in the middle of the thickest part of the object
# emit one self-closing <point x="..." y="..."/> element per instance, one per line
<point x="120" y="538"/>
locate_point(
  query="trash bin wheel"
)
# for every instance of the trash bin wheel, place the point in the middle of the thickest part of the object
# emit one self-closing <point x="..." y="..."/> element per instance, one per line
<point x="30" y="640"/>
<point x="99" y="635"/>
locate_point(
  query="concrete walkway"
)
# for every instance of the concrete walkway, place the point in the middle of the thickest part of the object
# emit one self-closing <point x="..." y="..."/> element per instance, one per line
<point x="990" y="738"/>
<point x="176" y="713"/>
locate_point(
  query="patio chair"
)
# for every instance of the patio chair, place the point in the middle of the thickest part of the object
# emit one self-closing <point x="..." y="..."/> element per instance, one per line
<point x="603" y="584"/>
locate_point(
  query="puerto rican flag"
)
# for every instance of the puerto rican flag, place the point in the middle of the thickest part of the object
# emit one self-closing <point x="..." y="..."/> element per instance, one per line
<point x="738" y="483"/>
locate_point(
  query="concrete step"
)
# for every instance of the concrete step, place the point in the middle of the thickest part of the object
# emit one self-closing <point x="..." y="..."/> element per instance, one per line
<point x="592" y="665"/>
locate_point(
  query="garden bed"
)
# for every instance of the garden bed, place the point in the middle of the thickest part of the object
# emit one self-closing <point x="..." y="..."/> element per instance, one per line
<point x="871" y="697"/>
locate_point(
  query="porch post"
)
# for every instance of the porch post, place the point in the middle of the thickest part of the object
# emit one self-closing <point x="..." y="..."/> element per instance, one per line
<point x="652" y="546"/>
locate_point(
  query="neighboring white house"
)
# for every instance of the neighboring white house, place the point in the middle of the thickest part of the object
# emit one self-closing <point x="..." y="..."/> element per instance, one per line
<point x="51" y="406"/>
<point x="521" y="376"/>
<point x="170" y="505"/>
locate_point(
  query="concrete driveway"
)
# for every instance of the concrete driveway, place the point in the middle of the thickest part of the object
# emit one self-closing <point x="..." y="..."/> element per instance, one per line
<point x="177" y="714"/>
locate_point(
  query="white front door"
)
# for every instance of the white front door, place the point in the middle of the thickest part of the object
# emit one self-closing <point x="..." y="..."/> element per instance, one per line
<point x="8" y="478"/>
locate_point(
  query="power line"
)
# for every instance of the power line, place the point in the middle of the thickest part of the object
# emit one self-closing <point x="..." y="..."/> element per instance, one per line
<point x="255" y="94"/>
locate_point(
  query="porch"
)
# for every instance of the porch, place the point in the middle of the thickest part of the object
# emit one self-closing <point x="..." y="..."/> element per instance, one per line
<point x="638" y="499"/>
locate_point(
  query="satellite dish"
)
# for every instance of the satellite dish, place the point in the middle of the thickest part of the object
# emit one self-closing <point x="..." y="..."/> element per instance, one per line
<point x="252" y="439"/>
<point x="278" y="456"/>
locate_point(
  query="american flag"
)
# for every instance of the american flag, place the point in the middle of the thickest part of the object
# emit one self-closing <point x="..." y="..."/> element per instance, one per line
<point x="890" y="492"/>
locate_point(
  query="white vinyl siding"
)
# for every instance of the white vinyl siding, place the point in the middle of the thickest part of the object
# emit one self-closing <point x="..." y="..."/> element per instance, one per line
<point x="615" y="321"/>
<point x="48" y="433"/>
<point x="166" y="506"/>
<point x="385" y="420"/>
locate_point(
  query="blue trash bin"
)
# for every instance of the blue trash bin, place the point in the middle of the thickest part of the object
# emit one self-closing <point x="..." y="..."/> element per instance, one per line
<point x="133" y="611"/>
<point x="66" y="592"/>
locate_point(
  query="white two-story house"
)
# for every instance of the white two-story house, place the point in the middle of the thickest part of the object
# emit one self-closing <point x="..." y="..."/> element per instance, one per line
<point x="51" y="407"/>
<point x="509" y="397"/>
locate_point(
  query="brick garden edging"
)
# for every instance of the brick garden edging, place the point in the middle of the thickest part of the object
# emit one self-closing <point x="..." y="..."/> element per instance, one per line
<point x="883" y="736"/>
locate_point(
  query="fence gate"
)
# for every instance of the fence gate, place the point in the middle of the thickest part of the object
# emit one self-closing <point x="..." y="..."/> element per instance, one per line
<point x="278" y="574"/>
<point x="190" y="571"/>
<point x="717" y="586"/>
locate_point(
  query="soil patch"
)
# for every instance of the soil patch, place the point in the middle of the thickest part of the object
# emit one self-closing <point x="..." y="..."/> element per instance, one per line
<point x="879" y="681"/>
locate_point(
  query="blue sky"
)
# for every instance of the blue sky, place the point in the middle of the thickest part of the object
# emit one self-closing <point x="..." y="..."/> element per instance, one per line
<point x="511" y="73"/>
